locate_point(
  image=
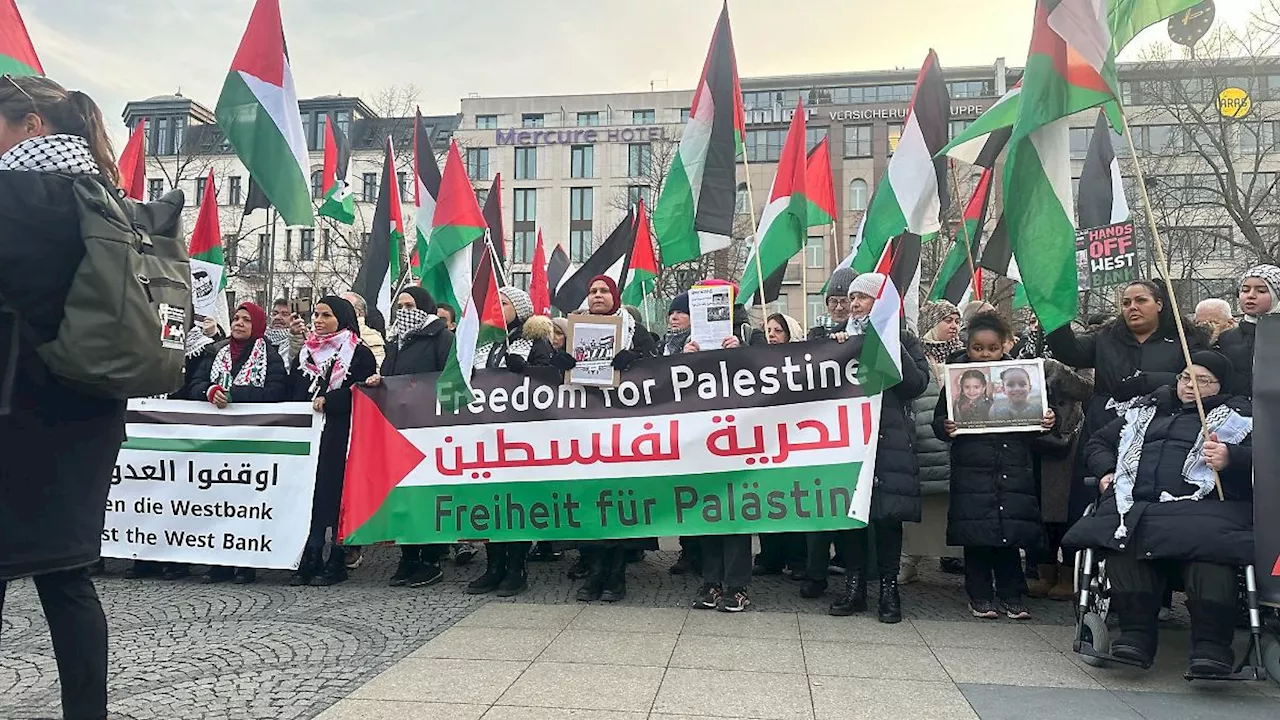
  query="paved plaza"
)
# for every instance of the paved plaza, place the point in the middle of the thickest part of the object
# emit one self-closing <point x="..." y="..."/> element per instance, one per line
<point x="369" y="652"/>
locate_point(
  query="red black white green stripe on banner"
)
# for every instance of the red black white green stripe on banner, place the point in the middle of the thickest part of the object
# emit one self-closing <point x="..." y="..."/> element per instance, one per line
<point x="778" y="439"/>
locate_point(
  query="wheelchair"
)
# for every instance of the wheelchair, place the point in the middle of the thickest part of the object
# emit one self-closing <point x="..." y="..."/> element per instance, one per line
<point x="1260" y="662"/>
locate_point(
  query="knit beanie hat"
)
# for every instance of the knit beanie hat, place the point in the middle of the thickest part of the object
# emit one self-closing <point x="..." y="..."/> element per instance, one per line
<point x="1269" y="274"/>
<point x="1214" y="362"/>
<point x="519" y="299"/>
<point x="838" y="285"/>
<point x="868" y="284"/>
<point x="935" y="312"/>
<point x="679" y="304"/>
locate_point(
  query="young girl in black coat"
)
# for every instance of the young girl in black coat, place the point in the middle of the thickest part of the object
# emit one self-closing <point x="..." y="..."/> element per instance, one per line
<point x="994" y="508"/>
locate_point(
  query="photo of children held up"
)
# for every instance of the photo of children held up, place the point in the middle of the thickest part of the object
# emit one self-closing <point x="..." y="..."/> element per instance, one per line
<point x="1004" y="396"/>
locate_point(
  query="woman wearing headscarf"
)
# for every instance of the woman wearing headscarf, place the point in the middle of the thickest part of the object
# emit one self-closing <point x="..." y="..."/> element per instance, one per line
<point x="419" y="343"/>
<point x="59" y="445"/>
<point x="781" y="552"/>
<point x="1259" y="295"/>
<point x="941" y="322"/>
<point x="528" y="344"/>
<point x="331" y="361"/>
<point x="245" y="368"/>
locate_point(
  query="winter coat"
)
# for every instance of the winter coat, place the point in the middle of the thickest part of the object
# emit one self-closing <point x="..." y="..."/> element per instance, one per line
<point x="1238" y="345"/>
<point x="59" y="446"/>
<point x="373" y="340"/>
<point x="191" y="372"/>
<point x="275" y="388"/>
<point x="747" y="334"/>
<point x="332" y="463"/>
<point x="423" y="351"/>
<point x="530" y="340"/>
<point x="1057" y="451"/>
<point x="895" y="493"/>
<point x="932" y="455"/>
<point x="1206" y="530"/>
<point x="993" y="500"/>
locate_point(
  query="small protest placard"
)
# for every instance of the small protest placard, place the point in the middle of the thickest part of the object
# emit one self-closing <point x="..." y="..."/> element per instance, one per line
<point x="1106" y="256"/>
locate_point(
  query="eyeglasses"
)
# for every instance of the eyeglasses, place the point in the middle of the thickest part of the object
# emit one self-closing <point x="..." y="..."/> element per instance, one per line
<point x="1201" y="380"/>
<point x="838" y="301"/>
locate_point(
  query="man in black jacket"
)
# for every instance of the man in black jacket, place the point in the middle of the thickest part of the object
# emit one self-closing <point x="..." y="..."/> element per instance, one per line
<point x="837" y="304"/>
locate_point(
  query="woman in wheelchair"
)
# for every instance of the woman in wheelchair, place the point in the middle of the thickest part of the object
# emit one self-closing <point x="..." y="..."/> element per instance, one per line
<point x="1160" y="511"/>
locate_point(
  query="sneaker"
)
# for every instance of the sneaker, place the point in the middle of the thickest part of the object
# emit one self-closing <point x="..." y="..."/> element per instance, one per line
<point x="425" y="574"/>
<point x="355" y="556"/>
<point x="708" y="597"/>
<point x="984" y="609"/>
<point x="735" y="601"/>
<point x="403" y="572"/>
<point x="908" y="572"/>
<point x="1015" y="610"/>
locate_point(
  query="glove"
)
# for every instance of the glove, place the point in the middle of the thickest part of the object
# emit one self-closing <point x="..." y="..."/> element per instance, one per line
<point x="516" y="363"/>
<point x="563" y="361"/>
<point x="1131" y="387"/>
<point x="623" y="359"/>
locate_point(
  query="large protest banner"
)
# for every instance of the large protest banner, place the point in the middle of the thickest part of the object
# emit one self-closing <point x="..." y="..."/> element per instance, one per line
<point x="767" y="439"/>
<point x="194" y="484"/>
<point x="1266" y="459"/>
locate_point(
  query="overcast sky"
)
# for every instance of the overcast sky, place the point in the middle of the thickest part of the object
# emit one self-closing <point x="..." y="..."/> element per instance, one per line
<point x="121" y="50"/>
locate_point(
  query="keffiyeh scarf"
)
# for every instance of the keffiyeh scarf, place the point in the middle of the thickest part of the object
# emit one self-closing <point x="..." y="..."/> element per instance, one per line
<point x="857" y="326"/>
<point x="407" y="322"/>
<point x="51" y="153"/>
<point x="252" y="374"/>
<point x="674" y="342"/>
<point x="1230" y="426"/>
<point x="328" y="356"/>
<point x="196" y="342"/>
<point x="280" y="337"/>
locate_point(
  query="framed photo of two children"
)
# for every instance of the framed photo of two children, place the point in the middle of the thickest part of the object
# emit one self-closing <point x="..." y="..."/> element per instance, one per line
<point x="999" y="396"/>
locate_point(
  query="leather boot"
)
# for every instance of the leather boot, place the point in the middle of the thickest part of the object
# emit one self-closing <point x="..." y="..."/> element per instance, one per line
<point x="593" y="586"/>
<point x="890" y="607"/>
<point x="516" y="580"/>
<point x="495" y="569"/>
<point x="308" y="568"/>
<point x="1138" y="626"/>
<point x="1212" y="629"/>
<point x="1065" y="588"/>
<point x="335" y="569"/>
<point x="854" y="598"/>
<point x="1048" y="578"/>
<point x="615" y="586"/>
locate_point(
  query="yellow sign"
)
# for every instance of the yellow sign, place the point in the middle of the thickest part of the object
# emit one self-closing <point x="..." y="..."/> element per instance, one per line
<point x="1234" y="103"/>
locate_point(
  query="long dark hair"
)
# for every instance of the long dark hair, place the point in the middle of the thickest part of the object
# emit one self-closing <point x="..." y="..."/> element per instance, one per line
<point x="65" y="111"/>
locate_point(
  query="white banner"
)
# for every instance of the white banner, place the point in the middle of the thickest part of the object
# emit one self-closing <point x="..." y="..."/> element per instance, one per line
<point x="195" y="484"/>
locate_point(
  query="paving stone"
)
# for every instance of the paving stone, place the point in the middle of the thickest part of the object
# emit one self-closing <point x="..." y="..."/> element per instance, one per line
<point x="585" y="687"/>
<point x="733" y="653"/>
<point x="841" y="699"/>
<point x="354" y="709"/>
<point x="1003" y="702"/>
<point x="982" y="666"/>
<point x="483" y="643"/>
<point x="889" y="662"/>
<point x="730" y="694"/>
<point x="610" y="648"/>
<point x="432" y="680"/>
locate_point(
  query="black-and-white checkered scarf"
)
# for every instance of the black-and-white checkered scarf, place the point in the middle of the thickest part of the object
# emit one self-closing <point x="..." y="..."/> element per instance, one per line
<point x="51" y="153"/>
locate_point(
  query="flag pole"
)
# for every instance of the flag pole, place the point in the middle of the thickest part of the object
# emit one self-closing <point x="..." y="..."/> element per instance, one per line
<point x="755" y="239"/>
<point x="493" y="258"/>
<point x="968" y="239"/>
<point x="1162" y="264"/>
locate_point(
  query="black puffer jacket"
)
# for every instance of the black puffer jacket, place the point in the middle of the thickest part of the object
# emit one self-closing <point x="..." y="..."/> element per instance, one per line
<point x="1238" y="345"/>
<point x="896" y="492"/>
<point x="423" y="351"/>
<point x="1208" y="530"/>
<point x="994" y="493"/>
<point x="932" y="454"/>
<point x="276" y="387"/>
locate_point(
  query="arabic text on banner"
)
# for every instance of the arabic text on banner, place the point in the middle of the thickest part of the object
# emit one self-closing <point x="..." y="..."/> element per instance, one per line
<point x="194" y="484"/>
<point x="775" y="439"/>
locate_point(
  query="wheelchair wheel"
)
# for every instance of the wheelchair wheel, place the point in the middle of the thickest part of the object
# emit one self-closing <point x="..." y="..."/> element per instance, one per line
<point x="1096" y="634"/>
<point x="1271" y="658"/>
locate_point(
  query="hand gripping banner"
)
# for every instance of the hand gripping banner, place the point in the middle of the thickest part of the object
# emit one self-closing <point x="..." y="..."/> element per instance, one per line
<point x="765" y="439"/>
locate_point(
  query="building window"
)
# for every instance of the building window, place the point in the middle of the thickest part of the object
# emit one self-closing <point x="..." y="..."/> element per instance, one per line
<point x="1079" y="142"/>
<point x="526" y="163"/>
<point x="202" y="183"/>
<point x="636" y="193"/>
<point x="815" y="255"/>
<point x="523" y="243"/>
<point x="644" y="117"/>
<point x="288" y="243"/>
<point x="317" y="184"/>
<point x="589" y="119"/>
<point x="684" y="114"/>
<point x="813" y="136"/>
<point x="326" y="239"/>
<point x="307" y="244"/>
<point x="955" y="127"/>
<point x="264" y="251"/>
<point x="581" y="215"/>
<point x="165" y="134"/>
<point x="526" y="205"/>
<point x="582" y="161"/>
<point x="971" y="89"/>
<point x="369" y="192"/>
<point x="639" y="159"/>
<point x="482" y="197"/>
<point x="741" y="200"/>
<point x="532" y="120"/>
<point x="233" y="190"/>
<point x="817" y="306"/>
<point x="402" y="181"/>
<point x="230" y="250"/>
<point x="1259" y="136"/>
<point x="764" y="145"/>
<point x="857" y="195"/>
<point x="486" y="122"/>
<point x="521" y="280"/>
<point x="524" y="228"/>
<point x="478" y="163"/>
<point x="895" y="134"/>
<point x="1157" y="138"/>
<point x="155" y="188"/>
<point x="857" y="141"/>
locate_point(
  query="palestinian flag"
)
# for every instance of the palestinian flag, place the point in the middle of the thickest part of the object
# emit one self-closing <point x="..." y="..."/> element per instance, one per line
<point x="819" y="189"/>
<point x="133" y="162"/>
<point x="611" y="259"/>
<point x="880" y="362"/>
<point x="1069" y="68"/>
<point x="254" y="198"/>
<point x="956" y="275"/>
<point x="17" y="54"/>
<point x="785" y="222"/>
<point x="493" y="220"/>
<point x="258" y="112"/>
<point x="642" y="270"/>
<point x="380" y="272"/>
<point x="339" y="202"/>
<point x="913" y="193"/>
<point x="1102" y="201"/>
<point x="426" y="188"/>
<point x="997" y="256"/>
<point x="539" y="288"/>
<point x="456" y="225"/>
<point x="208" y="269"/>
<point x="559" y="269"/>
<point x="695" y="211"/>
<point x="982" y="142"/>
